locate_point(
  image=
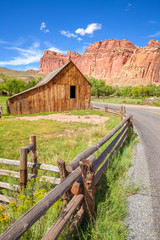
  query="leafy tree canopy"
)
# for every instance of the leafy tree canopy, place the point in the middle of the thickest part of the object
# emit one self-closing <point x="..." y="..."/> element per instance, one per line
<point x="13" y="85"/>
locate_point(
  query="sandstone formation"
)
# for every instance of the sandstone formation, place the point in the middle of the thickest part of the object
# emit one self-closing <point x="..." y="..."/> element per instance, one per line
<point x="32" y="70"/>
<point x="117" y="62"/>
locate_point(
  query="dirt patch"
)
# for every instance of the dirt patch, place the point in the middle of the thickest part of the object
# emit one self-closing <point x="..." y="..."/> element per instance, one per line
<point x="67" y="132"/>
<point x="60" y="117"/>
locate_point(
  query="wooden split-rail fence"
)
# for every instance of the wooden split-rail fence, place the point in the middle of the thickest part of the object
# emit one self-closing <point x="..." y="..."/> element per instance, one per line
<point x="23" y="165"/>
<point x="77" y="187"/>
<point x="118" y="111"/>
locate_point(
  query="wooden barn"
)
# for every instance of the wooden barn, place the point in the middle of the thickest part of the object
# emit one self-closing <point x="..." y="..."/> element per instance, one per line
<point x="61" y="90"/>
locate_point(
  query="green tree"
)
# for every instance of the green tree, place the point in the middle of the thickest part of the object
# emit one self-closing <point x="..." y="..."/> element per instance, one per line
<point x="136" y="91"/>
<point x="39" y="79"/>
<point x="12" y="85"/>
<point x="126" y="91"/>
<point x="108" y="90"/>
<point x="157" y="91"/>
<point x="117" y="91"/>
<point x="31" y="84"/>
<point x="98" y="87"/>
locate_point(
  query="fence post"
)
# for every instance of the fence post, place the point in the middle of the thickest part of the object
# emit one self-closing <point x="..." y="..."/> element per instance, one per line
<point x="63" y="174"/>
<point x="106" y="108"/>
<point x="121" y="112"/>
<point x="89" y="184"/>
<point x="131" y="124"/>
<point x="33" y="153"/>
<point x="7" y="107"/>
<point x="0" y="110"/>
<point x="23" y="167"/>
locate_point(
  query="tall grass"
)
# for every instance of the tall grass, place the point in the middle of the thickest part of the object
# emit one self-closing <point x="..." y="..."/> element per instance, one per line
<point x="34" y="192"/>
<point x="3" y="103"/>
<point x="111" y="207"/>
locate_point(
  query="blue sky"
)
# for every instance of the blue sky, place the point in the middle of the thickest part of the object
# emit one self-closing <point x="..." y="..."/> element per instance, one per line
<point x="29" y="27"/>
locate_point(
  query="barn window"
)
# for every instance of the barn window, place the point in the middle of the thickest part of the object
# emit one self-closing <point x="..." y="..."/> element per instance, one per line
<point x="72" y="91"/>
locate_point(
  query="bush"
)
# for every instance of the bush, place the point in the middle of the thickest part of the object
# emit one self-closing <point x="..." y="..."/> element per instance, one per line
<point x="34" y="192"/>
<point x="13" y="85"/>
<point x="100" y="89"/>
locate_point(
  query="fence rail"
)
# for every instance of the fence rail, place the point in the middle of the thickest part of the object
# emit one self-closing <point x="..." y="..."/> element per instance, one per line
<point x="23" y="164"/>
<point x="45" y="167"/>
<point x="118" y="111"/>
<point x="79" y="180"/>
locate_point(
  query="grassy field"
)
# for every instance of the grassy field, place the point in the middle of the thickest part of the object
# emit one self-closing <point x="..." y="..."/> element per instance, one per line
<point x="138" y="101"/>
<point x="24" y="75"/>
<point x="66" y="140"/>
<point x="54" y="139"/>
<point x="3" y="103"/>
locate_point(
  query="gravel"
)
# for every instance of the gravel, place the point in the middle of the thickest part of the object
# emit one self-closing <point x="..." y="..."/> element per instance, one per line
<point x="140" y="211"/>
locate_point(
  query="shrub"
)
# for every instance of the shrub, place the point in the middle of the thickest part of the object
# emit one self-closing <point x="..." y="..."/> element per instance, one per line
<point x="34" y="192"/>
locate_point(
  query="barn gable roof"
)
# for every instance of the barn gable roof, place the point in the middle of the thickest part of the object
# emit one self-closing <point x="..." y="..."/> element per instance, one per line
<point x="51" y="75"/>
<point x="47" y="78"/>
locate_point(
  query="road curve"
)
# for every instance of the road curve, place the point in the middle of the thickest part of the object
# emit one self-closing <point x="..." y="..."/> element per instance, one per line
<point x="147" y="122"/>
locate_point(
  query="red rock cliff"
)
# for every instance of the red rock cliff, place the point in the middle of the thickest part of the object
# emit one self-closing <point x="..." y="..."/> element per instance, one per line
<point x="117" y="62"/>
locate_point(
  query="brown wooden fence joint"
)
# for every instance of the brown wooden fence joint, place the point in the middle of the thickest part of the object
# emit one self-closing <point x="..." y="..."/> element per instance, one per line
<point x="63" y="174"/>
<point x="89" y="184"/>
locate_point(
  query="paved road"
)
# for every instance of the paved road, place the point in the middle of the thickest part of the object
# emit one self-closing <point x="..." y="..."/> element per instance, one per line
<point x="147" y="122"/>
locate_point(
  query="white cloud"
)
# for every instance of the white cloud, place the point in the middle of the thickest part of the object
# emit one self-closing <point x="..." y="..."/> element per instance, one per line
<point x="26" y="56"/>
<point x="156" y="34"/>
<point x="21" y="61"/>
<point x="43" y="27"/>
<point x="50" y="46"/>
<point x="29" y="55"/>
<point x="21" y="50"/>
<point x="36" y="45"/>
<point x="79" y="39"/>
<point x="89" y="30"/>
<point x="3" y="42"/>
<point x="82" y="50"/>
<point x="128" y="7"/>
<point x="57" y="50"/>
<point x="68" y="34"/>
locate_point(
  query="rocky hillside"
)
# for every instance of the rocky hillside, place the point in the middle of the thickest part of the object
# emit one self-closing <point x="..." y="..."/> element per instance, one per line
<point x="24" y="75"/>
<point x="118" y="62"/>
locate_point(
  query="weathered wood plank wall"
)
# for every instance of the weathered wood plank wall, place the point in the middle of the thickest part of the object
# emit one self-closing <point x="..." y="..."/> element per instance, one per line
<point x="55" y="95"/>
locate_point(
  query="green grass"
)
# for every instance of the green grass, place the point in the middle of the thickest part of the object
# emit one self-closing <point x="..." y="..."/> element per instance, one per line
<point x="34" y="192"/>
<point x="138" y="101"/>
<point x="66" y="140"/>
<point x="111" y="192"/>
<point x="54" y="139"/>
<point x="3" y="103"/>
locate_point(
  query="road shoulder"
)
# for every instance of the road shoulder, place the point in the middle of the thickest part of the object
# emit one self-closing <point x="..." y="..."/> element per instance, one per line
<point x="140" y="211"/>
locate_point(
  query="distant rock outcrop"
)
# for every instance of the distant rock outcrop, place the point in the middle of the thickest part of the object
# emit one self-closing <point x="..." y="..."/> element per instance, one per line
<point x="117" y="62"/>
<point x="33" y="70"/>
